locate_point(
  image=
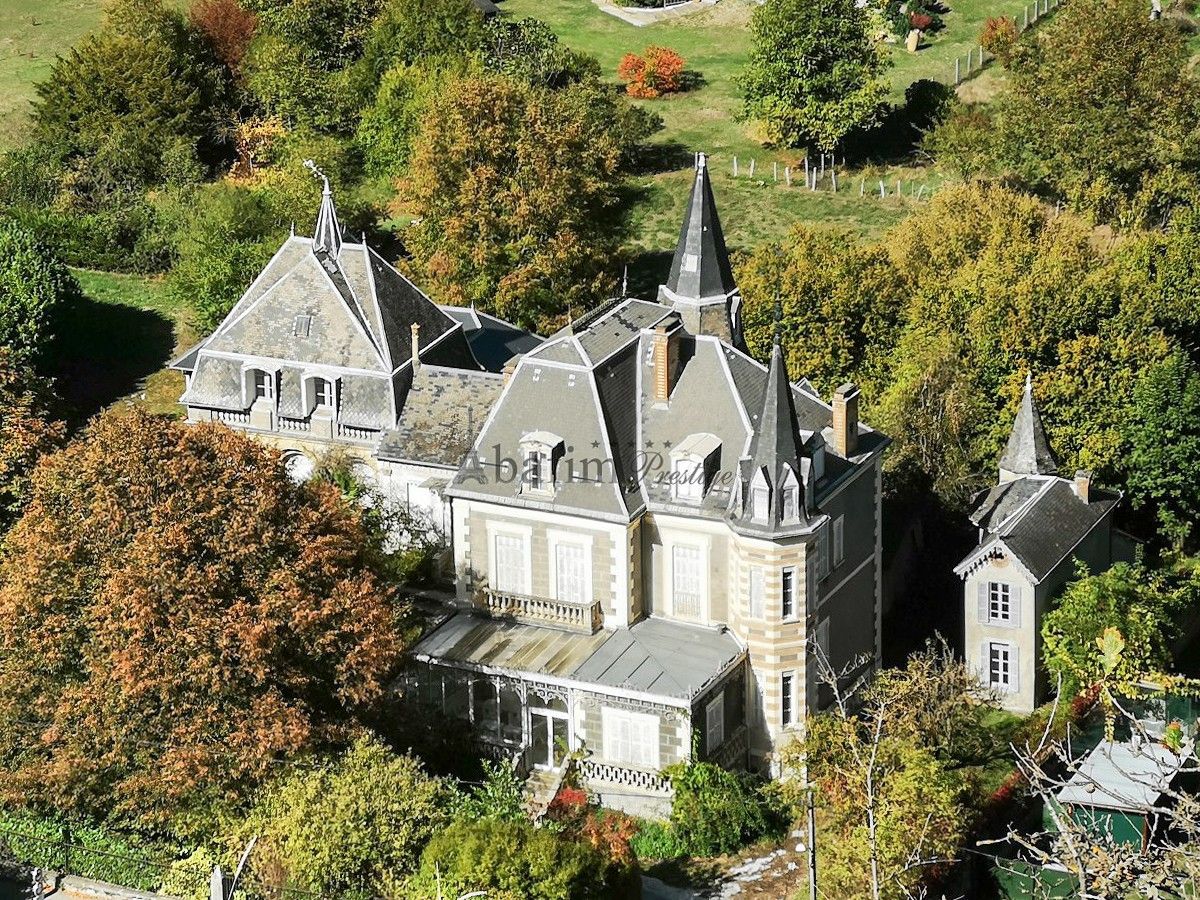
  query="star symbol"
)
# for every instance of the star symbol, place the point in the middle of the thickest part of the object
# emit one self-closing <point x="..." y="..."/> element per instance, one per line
<point x="649" y="443"/>
<point x="667" y="444"/>
<point x="595" y="444"/>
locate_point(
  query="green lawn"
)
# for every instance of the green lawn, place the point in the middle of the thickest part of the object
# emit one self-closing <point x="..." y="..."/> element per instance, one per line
<point x="32" y="33"/>
<point x="116" y="342"/>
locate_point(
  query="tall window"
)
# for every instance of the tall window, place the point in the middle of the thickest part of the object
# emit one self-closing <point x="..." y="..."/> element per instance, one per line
<point x="535" y="476"/>
<point x="510" y="564"/>
<point x="322" y="393"/>
<point x="630" y="738"/>
<point x="264" y="384"/>
<point x="570" y="575"/>
<point x="789" y="593"/>
<point x="839" y="540"/>
<point x="714" y="723"/>
<point x="686" y="581"/>
<point x="999" y="602"/>
<point x="1000" y="666"/>
<point x="822" y="553"/>
<point x="787" y="684"/>
<point x="758" y="591"/>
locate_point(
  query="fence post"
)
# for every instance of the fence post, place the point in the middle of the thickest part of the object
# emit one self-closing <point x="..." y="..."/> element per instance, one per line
<point x="1025" y="13"/>
<point x="957" y="70"/>
<point x="862" y="187"/>
<point x="735" y="167"/>
<point x="66" y="840"/>
<point x="752" y="166"/>
<point x="833" y="175"/>
<point x="787" y="175"/>
<point x="775" y="171"/>
<point x="882" y="189"/>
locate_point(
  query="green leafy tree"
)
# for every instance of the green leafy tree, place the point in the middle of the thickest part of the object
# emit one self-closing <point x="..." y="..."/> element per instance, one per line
<point x="814" y="71"/>
<point x="1103" y="110"/>
<point x="515" y="192"/>
<point x="415" y="31"/>
<point x="840" y="298"/>
<point x="348" y="825"/>
<point x="717" y="811"/>
<point x="528" y="50"/>
<point x="515" y="861"/>
<point x="390" y="125"/>
<point x="142" y="102"/>
<point x="1139" y="605"/>
<point x="34" y="288"/>
<point x="178" y="616"/>
<point x="1164" y="436"/>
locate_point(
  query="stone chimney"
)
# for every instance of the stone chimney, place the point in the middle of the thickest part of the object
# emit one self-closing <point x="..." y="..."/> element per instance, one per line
<point x="845" y="420"/>
<point x="416" y="346"/>
<point x="665" y="357"/>
<point x="1083" y="485"/>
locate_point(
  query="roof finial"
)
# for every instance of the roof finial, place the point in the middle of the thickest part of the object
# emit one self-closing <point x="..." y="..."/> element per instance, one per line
<point x="328" y="233"/>
<point x="1029" y="381"/>
<point x="701" y="162"/>
<point x="625" y="282"/>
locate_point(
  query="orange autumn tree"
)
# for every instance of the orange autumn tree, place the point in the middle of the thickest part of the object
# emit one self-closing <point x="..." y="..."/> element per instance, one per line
<point x="658" y="71"/>
<point x="177" y="616"/>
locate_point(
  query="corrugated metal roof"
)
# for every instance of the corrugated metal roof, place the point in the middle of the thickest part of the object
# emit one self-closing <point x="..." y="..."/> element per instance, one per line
<point x="654" y="656"/>
<point x="1124" y="776"/>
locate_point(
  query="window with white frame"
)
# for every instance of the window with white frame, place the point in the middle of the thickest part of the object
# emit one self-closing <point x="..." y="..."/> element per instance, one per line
<point x="511" y="563"/>
<point x="823" y="553"/>
<point x="839" y="540"/>
<point x="570" y="569"/>
<point x="714" y="723"/>
<point x="1001" y="664"/>
<point x="760" y="497"/>
<point x="789" y="592"/>
<point x="787" y="687"/>
<point x="630" y="738"/>
<point x="687" y="581"/>
<point x="999" y="599"/>
<point x="264" y="384"/>
<point x="535" y="470"/>
<point x="758" y="592"/>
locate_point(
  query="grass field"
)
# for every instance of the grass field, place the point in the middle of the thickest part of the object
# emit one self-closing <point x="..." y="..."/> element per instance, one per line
<point x="116" y="342"/>
<point x="32" y="33"/>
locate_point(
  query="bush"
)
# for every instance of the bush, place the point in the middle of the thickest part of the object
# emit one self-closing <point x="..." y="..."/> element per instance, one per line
<point x="34" y="288"/>
<point x="999" y="37"/>
<point x="658" y="71"/>
<point x="498" y="798"/>
<point x="515" y="861"/>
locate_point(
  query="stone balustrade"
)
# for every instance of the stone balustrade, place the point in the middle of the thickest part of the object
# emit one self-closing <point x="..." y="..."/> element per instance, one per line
<point x="583" y="617"/>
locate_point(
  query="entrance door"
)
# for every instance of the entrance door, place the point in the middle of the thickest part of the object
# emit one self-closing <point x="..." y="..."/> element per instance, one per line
<point x="549" y="735"/>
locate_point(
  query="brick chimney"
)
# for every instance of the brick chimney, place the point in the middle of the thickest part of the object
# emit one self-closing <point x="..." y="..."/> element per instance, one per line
<point x="665" y="357"/>
<point x="1083" y="485"/>
<point x="845" y="420"/>
<point x="416" y="346"/>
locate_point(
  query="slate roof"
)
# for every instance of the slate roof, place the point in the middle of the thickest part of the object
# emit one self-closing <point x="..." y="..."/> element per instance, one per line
<point x="700" y="269"/>
<point x="1028" y="451"/>
<point x="442" y="414"/>
<point x="654" y="656"/>
<point x="493" y="341"/>
<point x="1039" y="519"/>
<point x="1123" y="776"/>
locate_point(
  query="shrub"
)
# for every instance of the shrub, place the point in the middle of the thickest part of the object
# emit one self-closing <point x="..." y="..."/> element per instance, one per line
<point x="999" y="37"/>
<point x="226" y="26"/>
<point x="515" y="861"/>
<point x="920" y="21"/>
<point x="658" y="71"/>
<point x="34" y="287"/>
<point x="498" y="798"/>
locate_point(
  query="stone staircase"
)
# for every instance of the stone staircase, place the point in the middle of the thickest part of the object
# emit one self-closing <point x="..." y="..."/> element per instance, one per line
<point x="540" y="789"/>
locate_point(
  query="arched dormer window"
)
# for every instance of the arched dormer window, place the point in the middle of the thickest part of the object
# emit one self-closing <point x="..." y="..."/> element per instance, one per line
<point x="540" y="452"/>
<point x="257" y="384"/>
<point x="760" y="497"/>
<point x="318" y="394"/>
<point x="789" y="496"/>
<point x="694" y="462"/>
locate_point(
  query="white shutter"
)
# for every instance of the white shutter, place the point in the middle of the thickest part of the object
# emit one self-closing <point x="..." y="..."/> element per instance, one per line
<point x="758" y="591"/>
<point x="714" y="723"/>
<point x="510" y="564"/>
<point x="1016" y="597"/>
<point x="985" y="663"/>
<point x="685" y="581"/>
<point x="982" y="596"/>
<point x="1014" y="671"/>
<point x="570" y="579"/>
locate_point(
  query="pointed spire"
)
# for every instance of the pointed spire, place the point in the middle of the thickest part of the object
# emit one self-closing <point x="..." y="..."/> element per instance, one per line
<point x="700" y="270"/>
<point x="1028" y="451"/>
<point x="776" y="449"/>
<point x="327" y="236"/>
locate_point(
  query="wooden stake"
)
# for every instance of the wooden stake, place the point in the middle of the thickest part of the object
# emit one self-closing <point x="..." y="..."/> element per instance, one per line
<point x="735" y="167"/>
<point x="775" y="171"/>
<point x="787" y="175"/>
<point x="752" y="161"/>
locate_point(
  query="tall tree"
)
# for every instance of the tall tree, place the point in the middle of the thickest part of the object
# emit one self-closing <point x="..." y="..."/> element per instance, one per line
<point x="1103" y="107"/>
<point x="514" y="191"/>
<point x="177" y="616"/>
<point x="27" y="431"/>
<point x="34" y="288"/>
<point x="814" y="71"/>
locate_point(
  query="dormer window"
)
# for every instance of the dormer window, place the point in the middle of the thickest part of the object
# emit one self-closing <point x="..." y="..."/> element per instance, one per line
<point x="322" y="393"/>
<point x="818" y="461"/>
<point x="789" y="504"/>
<point x="694" y="463"/>
<point x="540" y="453"/>
<point x="264" y="385"/>
<point x="789" y="496"/>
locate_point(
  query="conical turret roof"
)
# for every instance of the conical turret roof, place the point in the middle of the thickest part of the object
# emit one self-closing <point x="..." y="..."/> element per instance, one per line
<point x="328" y="234"/>
<point x="1028" y="451"/>
<point x="700" y="270"/>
